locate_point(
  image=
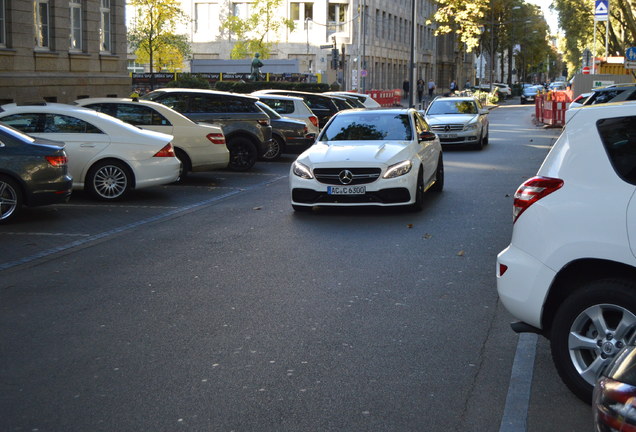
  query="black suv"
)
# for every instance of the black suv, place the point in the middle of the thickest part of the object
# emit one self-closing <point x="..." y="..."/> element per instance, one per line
<point x="246" y="127"/>
<point x="612" y="93"/>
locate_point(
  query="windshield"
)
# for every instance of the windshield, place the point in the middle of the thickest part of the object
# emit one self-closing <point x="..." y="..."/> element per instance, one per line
<point x="369" y="126"/>
<point x="452" y="107"/>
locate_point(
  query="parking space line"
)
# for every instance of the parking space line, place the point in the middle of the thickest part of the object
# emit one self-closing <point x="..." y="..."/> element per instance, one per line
<point x="45" y="234"/>
<point x="515" y="415"/>
<point x="105" y="234"/>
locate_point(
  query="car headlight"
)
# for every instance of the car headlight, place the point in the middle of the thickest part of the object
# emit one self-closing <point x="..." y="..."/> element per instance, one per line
<point x="399" y="169"/>
<point x="302" y="171"/>
<point x="471" y="126"/>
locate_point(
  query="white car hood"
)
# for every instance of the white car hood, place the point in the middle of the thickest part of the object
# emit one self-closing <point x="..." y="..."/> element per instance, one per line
<point x="450" y="118"/>
<point x="355" y="152"/>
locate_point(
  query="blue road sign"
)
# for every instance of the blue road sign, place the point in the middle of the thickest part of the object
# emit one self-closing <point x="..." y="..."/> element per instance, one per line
<point x="630" y="54"/>
<point x="601" y="9"/>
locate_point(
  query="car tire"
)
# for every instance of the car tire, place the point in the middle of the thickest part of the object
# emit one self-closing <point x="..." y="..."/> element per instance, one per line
<point x="109" y="180"/>
<point x="485" y="140"/>
<point x="275" y="149"/>
<point x="438" y="186"/>
<point x="301" y="209"/>
<point x="243" y="154"/>
<point x="584" y="336"/>
<point x="10" y="199"/>
<point x="418" y="205"/>
<point x="479" y="145"/>
<point x="186" y="165"/>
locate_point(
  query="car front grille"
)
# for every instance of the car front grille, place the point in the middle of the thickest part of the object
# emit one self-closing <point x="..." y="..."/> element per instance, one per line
<point x="384" y="196"/>
<point x="448" y="128"/>
<point x="357" y="176"/>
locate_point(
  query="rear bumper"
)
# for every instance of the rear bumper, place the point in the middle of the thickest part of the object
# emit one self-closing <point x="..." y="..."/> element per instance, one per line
<point x="524" y="285"/>
<point x="50" y="193"/>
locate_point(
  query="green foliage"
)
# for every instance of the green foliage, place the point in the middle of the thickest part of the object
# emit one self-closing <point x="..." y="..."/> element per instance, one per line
<point x="462" y="17"/>
<point x="576" y="19"/>
<point x="186" y="80"/>
<point x="251" y="32"/>
<point x="152" y="35"/>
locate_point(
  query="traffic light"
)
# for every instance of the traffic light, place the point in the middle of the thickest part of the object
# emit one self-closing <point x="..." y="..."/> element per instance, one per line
<point x="334" y="58"/>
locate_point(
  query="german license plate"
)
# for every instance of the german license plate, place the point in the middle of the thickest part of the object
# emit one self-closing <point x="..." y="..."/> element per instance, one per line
<point x="447" y="135"/>
<point x="346" y="190"/>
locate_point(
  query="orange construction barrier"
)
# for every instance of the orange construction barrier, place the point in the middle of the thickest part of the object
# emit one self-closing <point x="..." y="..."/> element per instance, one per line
<point x="386" y="98"/>
<point x="550" y="108"/>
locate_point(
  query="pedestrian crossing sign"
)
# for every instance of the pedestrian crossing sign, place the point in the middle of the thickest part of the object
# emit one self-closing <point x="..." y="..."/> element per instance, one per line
<point x="601" y="10"/>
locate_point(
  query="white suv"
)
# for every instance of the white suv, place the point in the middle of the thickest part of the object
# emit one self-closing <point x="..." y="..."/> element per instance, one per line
<point x="570" y="270"/>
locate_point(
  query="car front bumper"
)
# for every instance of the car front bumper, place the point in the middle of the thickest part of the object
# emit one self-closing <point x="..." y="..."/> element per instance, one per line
<point x="381" y="192"/>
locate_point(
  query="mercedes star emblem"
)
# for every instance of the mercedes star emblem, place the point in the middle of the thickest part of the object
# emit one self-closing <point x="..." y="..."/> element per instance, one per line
<point x="345" y="177"/>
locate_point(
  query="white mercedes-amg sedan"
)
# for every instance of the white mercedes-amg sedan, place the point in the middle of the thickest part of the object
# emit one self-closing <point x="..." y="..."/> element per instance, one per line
<point x="384" y="157"/>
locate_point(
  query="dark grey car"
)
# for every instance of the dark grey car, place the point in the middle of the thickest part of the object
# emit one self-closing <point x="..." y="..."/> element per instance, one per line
<point x="33" y="172"/>
<point x="247" y="129"/>
<point x="287" y="134"/>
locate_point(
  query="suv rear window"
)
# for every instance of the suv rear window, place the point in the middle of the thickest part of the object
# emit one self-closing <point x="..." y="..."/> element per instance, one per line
<point x="279" y="105"/>
<point x="619" y="138"/>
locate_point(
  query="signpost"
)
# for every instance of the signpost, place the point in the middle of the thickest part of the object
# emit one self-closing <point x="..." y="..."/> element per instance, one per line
<point x="601" y="13"/>
<point x="601" y="10"/>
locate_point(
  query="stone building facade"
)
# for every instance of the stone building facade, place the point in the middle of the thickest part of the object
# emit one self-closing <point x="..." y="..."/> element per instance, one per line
<point x="60" y="51"/>
<point x="375" y="36"/>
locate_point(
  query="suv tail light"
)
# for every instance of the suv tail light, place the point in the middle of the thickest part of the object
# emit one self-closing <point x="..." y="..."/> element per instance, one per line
<point x="57" y="161"/>
<point x="263" y="122"/>
<point x="216" y="138"/>
<point x="313" y="120"/>
<point x="532" y="191"/>
<point x="166" y="151"/>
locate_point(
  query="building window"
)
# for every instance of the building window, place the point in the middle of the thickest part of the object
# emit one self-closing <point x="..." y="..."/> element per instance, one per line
<point x="240" y="10"/>
<point x="41" y="24"/>
<point x="3" y="35"/>
<point x="301" y="11"/>
<point x="104" y="29"/>
<point x="337" y="17"/>
<point x="75" y="43"/>
<point x="378" y="24"/>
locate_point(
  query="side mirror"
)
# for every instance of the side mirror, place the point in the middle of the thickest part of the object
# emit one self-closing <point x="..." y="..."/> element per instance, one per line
<point x="427" y="136"/>
<point x="484" y="111"/>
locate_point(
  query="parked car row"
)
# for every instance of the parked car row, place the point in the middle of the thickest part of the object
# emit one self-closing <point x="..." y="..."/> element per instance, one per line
<point x="106" y="156"/>
<point x="113" y="145"/>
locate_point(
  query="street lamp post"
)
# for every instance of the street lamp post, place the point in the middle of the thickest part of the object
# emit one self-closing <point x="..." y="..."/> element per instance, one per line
<point x="412" y="63"/>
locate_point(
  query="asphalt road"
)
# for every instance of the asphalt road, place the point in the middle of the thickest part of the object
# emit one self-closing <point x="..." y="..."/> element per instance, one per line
<point x="212" y="306"/>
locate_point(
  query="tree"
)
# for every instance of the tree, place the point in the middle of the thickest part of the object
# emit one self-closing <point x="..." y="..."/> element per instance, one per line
<point x="463" y="19"/>
<point x="152" y="33"/>
<point x="578" y="25"/>
<point x="251" y="32"/>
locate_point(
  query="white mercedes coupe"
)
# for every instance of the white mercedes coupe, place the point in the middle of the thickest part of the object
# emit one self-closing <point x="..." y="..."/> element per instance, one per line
<point x="383" y="157"/>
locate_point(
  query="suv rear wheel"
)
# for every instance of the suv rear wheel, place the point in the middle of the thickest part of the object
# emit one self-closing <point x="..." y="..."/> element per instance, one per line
<point x="243" y="154"/>
<point x="589" y="328"/>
